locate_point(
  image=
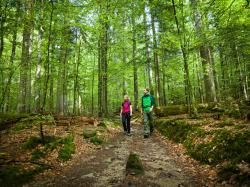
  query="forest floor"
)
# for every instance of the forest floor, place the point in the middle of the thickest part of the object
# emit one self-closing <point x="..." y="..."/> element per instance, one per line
<point x="165" y="163"/>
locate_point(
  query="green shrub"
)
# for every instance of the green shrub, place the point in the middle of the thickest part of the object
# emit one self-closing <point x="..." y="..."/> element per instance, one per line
<point x="32" y="143"/>
<point x="67" y="149"/>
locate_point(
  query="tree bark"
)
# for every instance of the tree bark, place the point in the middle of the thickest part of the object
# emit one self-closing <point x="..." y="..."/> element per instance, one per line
<point x="5" y="102"/>
<point x="158" y="90"/>
<point x="23" y="105"/>
<point x="210" y="93"/>
<point x="103" y="62"/>
<point x="148" y="61"/>
<point x="47" y="61"/>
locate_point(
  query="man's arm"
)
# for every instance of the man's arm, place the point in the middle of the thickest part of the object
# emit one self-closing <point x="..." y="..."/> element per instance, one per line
<point x="131" y="110"/>
<point x="152" y="103"/>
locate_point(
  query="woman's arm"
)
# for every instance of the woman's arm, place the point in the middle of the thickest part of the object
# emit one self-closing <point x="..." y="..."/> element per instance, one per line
<point x="131" y="110"/>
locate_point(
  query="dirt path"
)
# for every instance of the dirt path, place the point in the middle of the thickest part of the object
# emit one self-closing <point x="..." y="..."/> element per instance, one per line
<point x="106" y="167"/>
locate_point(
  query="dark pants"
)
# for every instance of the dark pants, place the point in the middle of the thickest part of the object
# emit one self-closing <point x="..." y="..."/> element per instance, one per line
<point x="126" y="121"/>
<point x="148" y="123"/>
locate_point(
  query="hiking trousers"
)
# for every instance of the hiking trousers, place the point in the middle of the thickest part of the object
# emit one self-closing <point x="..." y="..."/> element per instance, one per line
<point x="148" y="123"/>
<point x="126" y="121"/>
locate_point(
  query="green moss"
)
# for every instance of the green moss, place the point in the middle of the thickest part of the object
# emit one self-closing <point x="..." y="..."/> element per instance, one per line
<point x="89" y="132"/>
<point x="16" y="176"/>
<point x="67" y="149"/>
<point x="178" y="130"/>
<point x="171" y="110"/>
<point x="226" y="122"/>
<point x="37" y="154"/>
<point x="224" y="145"/>
<point x="96" y="140"/>
<point x="134" y="165"/>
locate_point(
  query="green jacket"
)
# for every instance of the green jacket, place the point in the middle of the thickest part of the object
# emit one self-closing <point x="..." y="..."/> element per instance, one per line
<point x="146" y="102"/>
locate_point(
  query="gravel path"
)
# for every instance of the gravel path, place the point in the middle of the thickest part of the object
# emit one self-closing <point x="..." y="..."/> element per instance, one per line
<point x="107" y="166"/>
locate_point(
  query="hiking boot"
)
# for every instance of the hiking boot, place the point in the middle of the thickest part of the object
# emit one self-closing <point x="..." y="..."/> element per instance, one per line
<point x="129" y="134"/>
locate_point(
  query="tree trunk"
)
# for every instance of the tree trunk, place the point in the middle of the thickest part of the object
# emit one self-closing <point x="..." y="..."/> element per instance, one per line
<point x="75" y="101"/>
<point x="47" y="61"/>
<point x="6" y="90"/>
<point x="135" y="68"/>
<point x="158" y="90"/>
<point x="182" y="38"/>
<point x="25" y="60"/>
<point x="210" y="93"/>
<point x="148" y="61"/>
<point x="103" y="62"/>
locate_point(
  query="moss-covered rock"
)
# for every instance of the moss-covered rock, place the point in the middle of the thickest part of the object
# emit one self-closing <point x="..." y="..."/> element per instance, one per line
<point x="97" y="140"/>
<point x="171" y="110"/>
<point x="211" y="147"/>
<point x="134" y="165"/>
<point x="89" y="132"/>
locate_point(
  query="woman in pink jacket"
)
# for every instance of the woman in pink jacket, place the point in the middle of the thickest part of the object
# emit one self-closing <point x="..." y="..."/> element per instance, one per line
<point x="126" y="113"/>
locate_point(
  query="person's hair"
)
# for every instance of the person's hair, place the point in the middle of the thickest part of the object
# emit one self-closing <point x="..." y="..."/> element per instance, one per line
<point x="126" y="97"/>
<point x="147" y="89"/>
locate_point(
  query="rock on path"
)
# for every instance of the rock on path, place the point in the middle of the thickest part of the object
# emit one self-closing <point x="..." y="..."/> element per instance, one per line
<point x="106" y="167"/>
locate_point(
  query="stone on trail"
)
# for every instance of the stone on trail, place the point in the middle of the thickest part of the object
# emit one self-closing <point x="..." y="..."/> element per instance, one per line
<point x="134" y="165"/>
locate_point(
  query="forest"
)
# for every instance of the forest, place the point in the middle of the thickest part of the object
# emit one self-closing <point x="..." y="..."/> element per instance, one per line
<point x="75" y="57"/>
<point x="67" y="64"/>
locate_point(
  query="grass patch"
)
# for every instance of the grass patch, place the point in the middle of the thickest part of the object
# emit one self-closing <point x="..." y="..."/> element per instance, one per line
<point x="17" y="176"/>
<point x="67" y="149"/>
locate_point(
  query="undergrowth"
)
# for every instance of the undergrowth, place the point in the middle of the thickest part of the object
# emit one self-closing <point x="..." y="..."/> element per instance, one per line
<point x="210" y="147"/>
<point x="15" y="175"/>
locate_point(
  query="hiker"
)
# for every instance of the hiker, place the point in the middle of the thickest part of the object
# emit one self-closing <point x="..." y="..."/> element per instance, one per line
<point x="126" y="113"/>
<point x="147" y="105"/>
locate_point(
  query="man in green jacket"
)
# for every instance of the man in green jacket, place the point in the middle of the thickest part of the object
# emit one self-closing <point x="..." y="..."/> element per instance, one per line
<point x="147" y="105"/>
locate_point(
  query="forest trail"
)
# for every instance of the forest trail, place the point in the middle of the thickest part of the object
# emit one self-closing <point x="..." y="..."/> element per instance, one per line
<point x="107" y="166"/>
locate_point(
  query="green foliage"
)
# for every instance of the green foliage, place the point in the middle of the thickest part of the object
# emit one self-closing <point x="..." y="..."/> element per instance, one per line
<point x="37" y="154"/>
<point x="96" y="140"/>
<point x="16" y="175"/>
<point x="32" y="143"/>
<point x="67" y="149"/>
